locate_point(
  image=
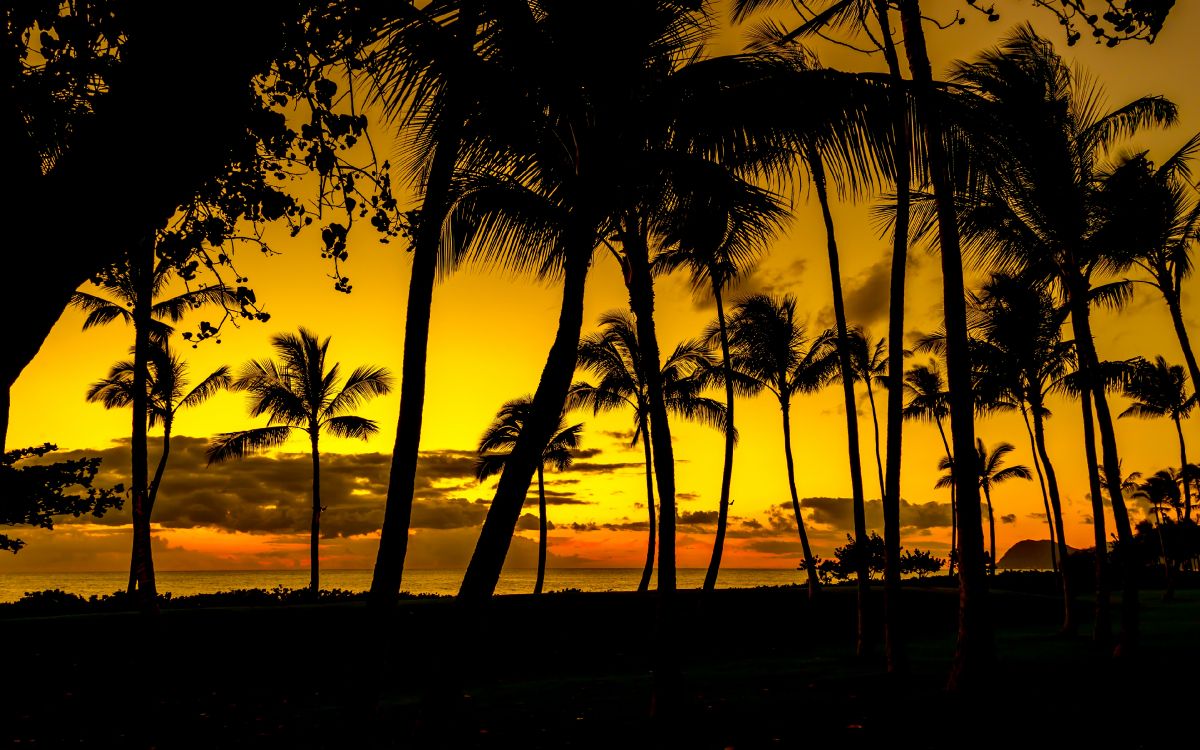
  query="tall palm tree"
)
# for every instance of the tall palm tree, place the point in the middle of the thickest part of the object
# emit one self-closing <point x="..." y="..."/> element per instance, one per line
<point x="130" y="290"/>
<point x="298" y="392"/>
<point x="870" y="365"/>
<point x="1039" y="131"/>
<point x="496" y="445"/>
<point x="1160" y="390"/>
<point x="167" y="384"/>
<point x="770" y="349"/>
<point x="927" y="400"/>
<point x="613" y="355"/>
<point x="991" y="474"/>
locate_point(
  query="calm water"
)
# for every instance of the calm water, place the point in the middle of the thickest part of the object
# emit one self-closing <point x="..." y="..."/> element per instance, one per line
<point x="182" y="583"/>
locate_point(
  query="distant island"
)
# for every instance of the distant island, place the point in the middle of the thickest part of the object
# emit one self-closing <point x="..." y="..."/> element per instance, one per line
<point x="1028" y="554"/>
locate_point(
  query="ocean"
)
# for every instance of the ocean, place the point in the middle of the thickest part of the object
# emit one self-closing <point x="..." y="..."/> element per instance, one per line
<point x="182" y="583"/>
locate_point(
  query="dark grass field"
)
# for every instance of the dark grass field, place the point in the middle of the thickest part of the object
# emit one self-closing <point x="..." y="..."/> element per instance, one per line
<point x="760" y="668"/>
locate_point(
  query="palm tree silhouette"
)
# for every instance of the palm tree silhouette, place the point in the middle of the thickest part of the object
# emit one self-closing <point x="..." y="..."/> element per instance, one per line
<point x="1160" y="390"/>
<point x="769" y="348"/>
<point x="1161" y="491"/>
<point x="131" y="287"/>
<point x="991" y="474"/>
<point x="613" y="355"/>
<point x="167" y="384"/>
<point x="927" y="399"/>
<point x="496" y="445"/>
<point x="869" y="363"/>
<point x="298" y="392"/>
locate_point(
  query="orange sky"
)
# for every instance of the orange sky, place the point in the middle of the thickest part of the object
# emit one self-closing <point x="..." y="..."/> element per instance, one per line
<point x="489" y="337"/>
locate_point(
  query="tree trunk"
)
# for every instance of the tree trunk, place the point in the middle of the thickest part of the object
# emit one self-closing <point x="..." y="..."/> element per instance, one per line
<point x="892" y="615"/>
<point x="714" y="564"/>
<point x="5" y="407"/>
<point x="1102" y="630"/>
<point x="810" y="565"/>
<point x="862" y="645"/>
<point x="541" y="571"/>
<point x="314" y="559"/>
<point x="1037" y="466"/>
<point x="479" y="582"/>
<point x="1183" y="472"/>
<point x="953" y="499"/>
<point x="987" y="494"/>
<point x="1039" y="434"/>
<point x="154" y="485"/>
<point x="648" y="568"/>
<point x="141" y="268"/>
<point x="1130" y="566"/>
<point x="875" y="424"/>
<point x="974" y="652"/>
<point x="1168" y="567"/>
<point x="397" y="514"/>
<point x="1184" y="343"/>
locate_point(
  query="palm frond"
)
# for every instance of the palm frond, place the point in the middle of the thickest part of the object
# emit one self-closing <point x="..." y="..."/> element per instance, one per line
<point x="236" y="445"/>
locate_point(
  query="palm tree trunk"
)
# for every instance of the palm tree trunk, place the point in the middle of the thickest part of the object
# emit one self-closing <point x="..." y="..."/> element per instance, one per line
<point x="314" y="559"/>
<point x="141" y="263"/>
<point x="714" y="564"/>
<point x="862" y="647"/>
<point x="875" y="424"/>
<point x="479" y="582"/>
<point x="5" y="405"/>
<point x="810" y="565"/>
<point x="953" y="502"/>
<point x="987" y="494"/>
<point x="1184" y="342"/>
<point x="892" y="616"/>
<point x="541" y="571"/>
<point x="397" y="514"/>
<point x="1102" y="630"/>
<point x="974" y="651"/>
<point x="1037" y="466"/>
<point x="1168" y="568"/>
<point x="1039" y="434"/>
<point x="1183" y="472"/>
<point x="648" y="568"/>
<point x="154" y="485"/>
<point x="1081" y="322"/>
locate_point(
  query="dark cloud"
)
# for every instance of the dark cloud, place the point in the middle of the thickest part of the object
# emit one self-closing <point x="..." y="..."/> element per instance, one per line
<point x="1008" y="518"/>
<point x="530" y="522"/>
<point x="867" y="294"/>
<point x="764" y="280"/>
<point x="1036" y="517"/>
<point x="775" y="547"/>
<point x="697" y="517"/>
<point x="837" y="512"/>
<point x="682" y="496"/>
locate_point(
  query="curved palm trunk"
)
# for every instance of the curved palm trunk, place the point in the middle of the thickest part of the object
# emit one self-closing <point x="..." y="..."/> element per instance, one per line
<point x="810" y="564"/>
<point x="892" y="616"/>
<point x="1081" y="322"/>
<point x="479" y="582"/>
<point x="987" y="494"/>
<point x="1183" y="472"/>
<point x="541" y="571"/>
<point x="1039" y="434"/>
<point x="314" y="558"/>
<point x="154" y="485"/>
<point x="953" y="500"/>
<point x="852" y="446"/>
<point x="714" y="564"/>
<point x="1184" y="342"/>
<point x="142" y="269"/>
<point x="1102" y="630"/>
<point x="648" y="568"/>
<point x="875" y="424"/>
<point x="1037" y="467"/>
<point x="974" y="652"/>
<point x="397" y="514"/>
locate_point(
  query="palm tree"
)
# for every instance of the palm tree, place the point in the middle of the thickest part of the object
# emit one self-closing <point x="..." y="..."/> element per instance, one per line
<point x="131" y="288"/>
<point x="1161" y="491"/>
<point x="297" y="392"/>
<point x="991" y="474"/>
<point x="927" y="399"/>
<point x="1039" y="132"/>
<point x="613" y="355"/>
<point x="870" y="365"/>
<point x="770" y="349"/>
<point x="166" y="382"/>
<point x="496" y="445"/>
<point x="1160" y="390"/>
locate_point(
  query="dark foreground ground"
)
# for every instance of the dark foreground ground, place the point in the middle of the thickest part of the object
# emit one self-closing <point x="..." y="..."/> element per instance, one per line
<point x="760" y="667"/>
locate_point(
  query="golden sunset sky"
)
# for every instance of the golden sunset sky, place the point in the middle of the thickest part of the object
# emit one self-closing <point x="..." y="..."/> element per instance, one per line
<point x="490" y="334"/>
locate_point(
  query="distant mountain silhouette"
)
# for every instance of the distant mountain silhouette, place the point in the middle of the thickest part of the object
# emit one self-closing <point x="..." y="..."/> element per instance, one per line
<point x="1028" y="554"/>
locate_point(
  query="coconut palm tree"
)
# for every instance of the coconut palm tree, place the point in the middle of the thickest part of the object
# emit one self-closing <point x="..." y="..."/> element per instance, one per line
<point x="496" y="445"/>
<point x="167" y="385"/>
<point x="1161" y="491"/>
<point x="990" y="474"/>
<point x="1160" y="390"/>
<point x="927" y="400"/>
<point x="870" y="365"/>
<point x="298" y="392"/>
<point x="1039" y="131"/>
<point x="613" y="355"/>
<point x="769" y="348"/>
